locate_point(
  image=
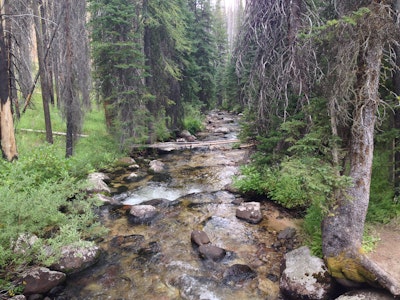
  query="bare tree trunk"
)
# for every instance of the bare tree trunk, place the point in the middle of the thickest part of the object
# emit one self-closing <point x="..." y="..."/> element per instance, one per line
<point x="68" y="84"/>
<point x="46" y="93"/>
<point x="343" y="228"/>
<point x="46" y="58"/>
<point x="7" y="137"/>
<point x="396" y="125"/>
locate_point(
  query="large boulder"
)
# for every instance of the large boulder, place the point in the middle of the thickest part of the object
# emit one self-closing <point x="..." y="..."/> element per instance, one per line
<point x="249" y="212"/>
<point x="305" y="276"/>
<point x="75" y="258"/>
<point x="142" y="214"/>
<point x="40" y="280"/>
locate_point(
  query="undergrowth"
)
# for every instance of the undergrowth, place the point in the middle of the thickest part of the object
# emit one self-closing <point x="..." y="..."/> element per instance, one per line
<point x="42" y="194"/>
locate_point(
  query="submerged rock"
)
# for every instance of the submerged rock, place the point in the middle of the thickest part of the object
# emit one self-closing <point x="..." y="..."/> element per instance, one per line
<point x="212" y="252"/>
<point x="305" y="276"/>
<point x="238" y="273"/>
<point x="249" y="212"/>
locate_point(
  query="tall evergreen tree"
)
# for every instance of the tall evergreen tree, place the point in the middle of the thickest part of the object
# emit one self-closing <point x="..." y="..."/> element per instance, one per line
<point x="119" y="67"/>
<point x="205" y="53"/>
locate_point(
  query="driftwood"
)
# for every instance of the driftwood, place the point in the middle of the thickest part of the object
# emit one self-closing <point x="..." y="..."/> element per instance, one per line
<point x="173" y="146"/>
<point x="54" y="132"/>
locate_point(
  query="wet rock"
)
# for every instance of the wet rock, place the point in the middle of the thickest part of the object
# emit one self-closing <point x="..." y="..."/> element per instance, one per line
<point x="305" y="276"/>
<point x="18" y="297"/>
<point x="132" y="177"/>
<point x="273" y="277"/>
<point x="212" y="252"/>
<point x="223" y="130"/>
<point x="249" y="212"/>
<point x="40" y="280"/>
<point x="366" y="295"/>
<point x="35" y="297"/>
<point x="195" y="288"/>
<point x="142" y="214"/>
<point x="132" y="243"/>
<point x="238" y="273"/>
<point x="287" y="233"/>
<point x="187" y="136"/>
<point x="161" y="202"/>
<point x="156" y="166"/>
<point x="199" y="237"/>
<point x="120" y="197"/>
<point x="238" y="201"/>
<point x="97" y="182"/>
<point x="150" y="249"/>
<point x="125" y="162"/>
<point x="75" y="258"/>
<point x="105" y="199"/>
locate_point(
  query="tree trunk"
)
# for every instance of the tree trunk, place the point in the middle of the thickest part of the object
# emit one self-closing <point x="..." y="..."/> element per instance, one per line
<point x="46" y="93"/>
<point x="69" y="145"/>
<point x="7" y="137"/>
<point x="342" y="229"/>
<point x="396" y="125"/>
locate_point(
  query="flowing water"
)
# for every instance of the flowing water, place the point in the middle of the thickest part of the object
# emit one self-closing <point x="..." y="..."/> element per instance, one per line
<point x="158" y="260"/>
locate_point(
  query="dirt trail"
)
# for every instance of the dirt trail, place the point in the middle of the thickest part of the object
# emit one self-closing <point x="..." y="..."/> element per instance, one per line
<point x="387" y="253"/>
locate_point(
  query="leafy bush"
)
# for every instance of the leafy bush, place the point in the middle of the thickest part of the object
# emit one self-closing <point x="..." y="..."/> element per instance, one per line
<point x="193" y="120"/>
<point x="52" y="208"/>
<point x="295" y="183"/>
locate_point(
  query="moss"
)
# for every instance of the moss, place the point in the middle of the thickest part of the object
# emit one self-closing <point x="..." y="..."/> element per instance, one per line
<point x="348" y="267"/>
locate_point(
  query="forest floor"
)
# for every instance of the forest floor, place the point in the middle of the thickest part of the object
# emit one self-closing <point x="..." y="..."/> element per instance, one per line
<point x="387" y="252"/>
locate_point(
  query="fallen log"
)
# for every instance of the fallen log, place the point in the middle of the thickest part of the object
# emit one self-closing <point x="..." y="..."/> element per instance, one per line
<point x="173" y="146"/>
<point x="54" y="132"/>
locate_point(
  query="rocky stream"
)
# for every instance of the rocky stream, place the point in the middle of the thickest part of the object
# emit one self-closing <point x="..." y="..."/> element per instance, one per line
<point x="177" y="229"/>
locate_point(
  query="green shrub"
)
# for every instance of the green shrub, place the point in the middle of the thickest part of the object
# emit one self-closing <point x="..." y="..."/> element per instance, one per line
<point x="295" y="183"/>
<point x="193" y="120"/>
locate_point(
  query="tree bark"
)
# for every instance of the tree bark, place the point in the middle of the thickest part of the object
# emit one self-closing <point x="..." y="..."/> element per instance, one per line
<point x="7" y="137"/>
<point x="68" y="82"/>
<point x="343" y="228"/>
<point x="396" y="121"/>
<point x="46" y="93"/>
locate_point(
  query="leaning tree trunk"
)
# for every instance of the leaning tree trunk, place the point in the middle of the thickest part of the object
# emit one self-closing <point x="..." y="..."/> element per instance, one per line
<point x="342" y="229"/>
<point x="7" y="137"/>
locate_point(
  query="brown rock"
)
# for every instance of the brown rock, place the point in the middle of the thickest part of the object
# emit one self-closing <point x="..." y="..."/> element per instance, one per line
<point x="40" y="280"/>
<point x="212" y="252"/>
<point x="199" y="237"/>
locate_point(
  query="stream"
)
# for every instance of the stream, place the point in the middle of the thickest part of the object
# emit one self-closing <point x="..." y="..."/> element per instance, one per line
<point x="157" y="260"/>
